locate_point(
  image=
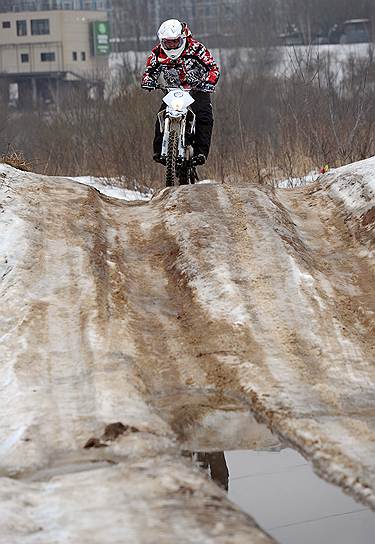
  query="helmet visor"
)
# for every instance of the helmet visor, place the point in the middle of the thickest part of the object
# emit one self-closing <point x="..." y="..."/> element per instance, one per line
<point x="171" y="43"/>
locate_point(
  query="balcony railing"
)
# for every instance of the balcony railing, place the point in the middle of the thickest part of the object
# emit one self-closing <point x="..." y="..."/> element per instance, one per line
<point x="8" y="6"/>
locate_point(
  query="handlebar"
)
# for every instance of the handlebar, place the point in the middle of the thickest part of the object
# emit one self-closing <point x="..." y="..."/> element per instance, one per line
<point x="188" y="89"/>
<point x="168" y="89"/>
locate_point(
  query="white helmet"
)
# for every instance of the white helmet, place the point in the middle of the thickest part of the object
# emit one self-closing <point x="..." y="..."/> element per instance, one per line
<point x="172" y="38"/>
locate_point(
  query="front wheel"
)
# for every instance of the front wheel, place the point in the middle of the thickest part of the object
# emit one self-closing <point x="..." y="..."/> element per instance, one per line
<point x="171" y="163"/>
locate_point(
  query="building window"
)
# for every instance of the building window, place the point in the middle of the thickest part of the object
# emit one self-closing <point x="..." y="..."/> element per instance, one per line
<point x="24" y="57"/>
<point x="21" y="28"/>
<point x="6" y="24"/>
<point x="48" y="57"/>
<point x="74" y="55"/>
<point x="39" y="26"/>
<point x="83" y="55"/>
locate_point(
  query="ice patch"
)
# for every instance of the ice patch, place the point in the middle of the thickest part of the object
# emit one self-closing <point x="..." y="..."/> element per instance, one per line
<point x="298" y="181"/>
<point x="221" y="297"/>
<point x="108" y="189"/>
<point x="354" y="185"/>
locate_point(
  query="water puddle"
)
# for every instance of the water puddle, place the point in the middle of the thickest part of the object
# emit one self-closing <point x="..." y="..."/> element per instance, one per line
<point x="272" y="483"/>
<point x="282" y="493"/>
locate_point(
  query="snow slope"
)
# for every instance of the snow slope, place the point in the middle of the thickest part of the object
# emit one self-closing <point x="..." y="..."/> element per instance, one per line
<point x="285" y="61"/>
<point x="175" y="317"/>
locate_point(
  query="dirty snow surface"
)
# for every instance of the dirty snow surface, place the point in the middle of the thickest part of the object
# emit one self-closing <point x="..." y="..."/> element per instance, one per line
<point x="132" y="331"/>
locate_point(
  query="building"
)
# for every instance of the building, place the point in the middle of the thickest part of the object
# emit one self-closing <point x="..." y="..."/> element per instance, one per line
<point x="49" y="46"/>
<point x="42" y="5"/>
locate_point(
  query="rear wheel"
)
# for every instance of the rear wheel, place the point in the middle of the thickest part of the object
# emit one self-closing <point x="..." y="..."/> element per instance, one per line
<point x="193" y="175"/>
<point x="187" y="173"/>
<point x="184" y="174"/>
<point x="170" y="170"/>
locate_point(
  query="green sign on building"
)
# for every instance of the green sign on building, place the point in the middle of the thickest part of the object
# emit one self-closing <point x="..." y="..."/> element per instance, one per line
<point x="100" y="35"/>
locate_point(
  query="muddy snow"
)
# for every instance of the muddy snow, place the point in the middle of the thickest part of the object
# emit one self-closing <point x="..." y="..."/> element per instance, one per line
<point x="134" y="331"/>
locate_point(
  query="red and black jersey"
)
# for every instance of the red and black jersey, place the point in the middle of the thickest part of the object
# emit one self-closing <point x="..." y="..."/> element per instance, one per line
<point x="195" y="66"/>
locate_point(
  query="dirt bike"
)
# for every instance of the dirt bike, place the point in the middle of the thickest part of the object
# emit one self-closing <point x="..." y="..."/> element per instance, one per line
<point x="177" y="123"/>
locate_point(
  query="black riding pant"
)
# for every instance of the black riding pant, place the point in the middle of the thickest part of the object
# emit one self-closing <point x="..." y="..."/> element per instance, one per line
<point x="202" y="108"/>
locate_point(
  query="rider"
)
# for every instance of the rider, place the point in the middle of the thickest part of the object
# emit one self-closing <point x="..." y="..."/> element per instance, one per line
<point x="182" y="61"/>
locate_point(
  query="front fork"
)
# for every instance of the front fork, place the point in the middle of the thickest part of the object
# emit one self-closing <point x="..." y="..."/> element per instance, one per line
<point x="165" y="125"/>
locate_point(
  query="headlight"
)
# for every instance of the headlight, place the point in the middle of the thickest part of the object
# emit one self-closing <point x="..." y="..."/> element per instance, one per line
<point x="177" y="105"/>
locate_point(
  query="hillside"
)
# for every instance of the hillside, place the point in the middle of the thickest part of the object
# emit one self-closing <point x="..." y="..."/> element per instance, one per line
<point x="131" y="331"/>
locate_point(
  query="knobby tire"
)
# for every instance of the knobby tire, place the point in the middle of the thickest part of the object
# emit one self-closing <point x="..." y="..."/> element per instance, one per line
<point x="170" y="171"/>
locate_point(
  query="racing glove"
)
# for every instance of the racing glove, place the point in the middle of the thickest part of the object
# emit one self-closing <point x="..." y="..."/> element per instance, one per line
<point x="149" y="85"/>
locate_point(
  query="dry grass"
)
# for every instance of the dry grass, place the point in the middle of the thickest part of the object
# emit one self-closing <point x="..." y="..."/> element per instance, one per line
<point x="267" y="127"/>
<point x="17" y="160"/>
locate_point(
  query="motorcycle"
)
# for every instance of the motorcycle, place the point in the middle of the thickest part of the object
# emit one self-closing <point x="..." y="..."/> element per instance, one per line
<point x="177" y="123"/>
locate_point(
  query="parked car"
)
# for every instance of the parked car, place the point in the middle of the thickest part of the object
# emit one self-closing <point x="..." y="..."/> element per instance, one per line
<point x="294" y="37"/>
<point x="356" y="31"/>
<point x="334" y="34"/>
<point x="291" y="37"/>
<point x="319" y="39"/>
